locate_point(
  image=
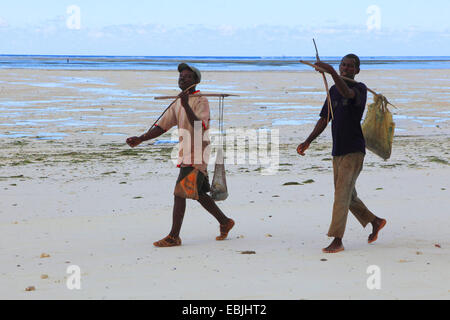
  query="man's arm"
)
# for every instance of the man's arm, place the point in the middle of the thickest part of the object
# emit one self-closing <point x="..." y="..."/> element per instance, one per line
<point x="342" y="87"/>
<point x="318" y="129"/>
<point x="150" y="134"/>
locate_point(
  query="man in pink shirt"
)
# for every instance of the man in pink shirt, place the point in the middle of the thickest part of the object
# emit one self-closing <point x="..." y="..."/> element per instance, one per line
<point x="192" y="115"/>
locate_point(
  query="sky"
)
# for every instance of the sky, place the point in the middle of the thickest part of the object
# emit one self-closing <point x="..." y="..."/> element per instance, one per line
<point x="225" y="28"/>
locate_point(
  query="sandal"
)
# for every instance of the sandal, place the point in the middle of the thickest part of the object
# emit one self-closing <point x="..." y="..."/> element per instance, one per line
<point x="224" y="229"/>
<point x="168" y="241"/>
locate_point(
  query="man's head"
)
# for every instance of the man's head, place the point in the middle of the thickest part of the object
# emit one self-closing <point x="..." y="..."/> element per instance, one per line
<point x="349" y="66"/>
<point x="188" y="76"/>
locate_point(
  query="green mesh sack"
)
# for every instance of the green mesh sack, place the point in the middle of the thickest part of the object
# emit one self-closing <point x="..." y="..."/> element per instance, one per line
<point x="378" y="128"/>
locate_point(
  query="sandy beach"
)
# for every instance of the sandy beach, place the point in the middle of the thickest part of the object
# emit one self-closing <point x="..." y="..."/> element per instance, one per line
<point x="73" y="193"/>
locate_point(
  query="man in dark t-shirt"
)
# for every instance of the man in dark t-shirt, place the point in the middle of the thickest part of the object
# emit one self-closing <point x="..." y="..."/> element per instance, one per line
<point x="348" y="101"/>
<point x="346" y="125"/>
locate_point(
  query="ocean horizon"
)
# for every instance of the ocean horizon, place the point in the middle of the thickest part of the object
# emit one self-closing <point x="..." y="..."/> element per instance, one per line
<point x="211" y="63"/>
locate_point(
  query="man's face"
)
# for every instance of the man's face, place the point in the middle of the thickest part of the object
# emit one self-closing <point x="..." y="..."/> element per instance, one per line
<point x="348" y="69"/>
<point x="187" y="78"/>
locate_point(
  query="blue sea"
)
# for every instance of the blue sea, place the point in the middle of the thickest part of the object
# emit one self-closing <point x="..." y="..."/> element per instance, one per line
<point x="95" y="104"/>
<point x="209" y="63"/>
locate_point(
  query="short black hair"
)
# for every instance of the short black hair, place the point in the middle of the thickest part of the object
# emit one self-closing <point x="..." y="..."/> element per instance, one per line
<point x="354" y="57"/>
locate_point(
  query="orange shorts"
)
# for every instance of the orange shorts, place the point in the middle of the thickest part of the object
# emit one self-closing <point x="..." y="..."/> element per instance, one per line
<point x="191" y="183"/>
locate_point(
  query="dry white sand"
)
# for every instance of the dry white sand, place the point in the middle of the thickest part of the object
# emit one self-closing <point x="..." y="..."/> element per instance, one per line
<point x="87" y="200"/>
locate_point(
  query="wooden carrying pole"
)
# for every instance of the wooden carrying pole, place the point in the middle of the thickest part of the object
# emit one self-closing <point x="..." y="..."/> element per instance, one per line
<point x="222" y="95"/>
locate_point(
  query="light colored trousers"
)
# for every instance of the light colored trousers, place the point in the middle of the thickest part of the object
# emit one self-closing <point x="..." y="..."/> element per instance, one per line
<point x="346" y="170"/>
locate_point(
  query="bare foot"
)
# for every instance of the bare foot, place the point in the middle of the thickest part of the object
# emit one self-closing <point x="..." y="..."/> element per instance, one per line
<point x="377" y="225"/>
<point x="335" y="246"/>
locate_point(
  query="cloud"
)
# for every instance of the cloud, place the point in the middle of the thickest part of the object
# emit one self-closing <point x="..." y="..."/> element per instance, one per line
<point x="96" y="34"/>
<point x="3" y="23"/>
<point x="227" y="30"/>
<point x="53" y="37"/>
<point x="50" y="27"/>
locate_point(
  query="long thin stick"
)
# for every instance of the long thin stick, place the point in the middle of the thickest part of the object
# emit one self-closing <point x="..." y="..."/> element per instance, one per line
<point x="345" y="78"/>
<point x="176" y="98"/>
<point x="223" y="95"/>
<point x="330" y="109"/>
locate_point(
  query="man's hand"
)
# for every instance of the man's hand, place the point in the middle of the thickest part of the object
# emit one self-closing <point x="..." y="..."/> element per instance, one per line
<point x="328" y="68"/>
<point x="302" y="148"/>
<point x="134" y="141"/>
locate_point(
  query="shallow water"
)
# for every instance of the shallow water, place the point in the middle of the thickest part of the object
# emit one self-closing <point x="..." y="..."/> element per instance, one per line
<point x="106" y="106"/>
<point x="79" y="80"/>
<point x="292" y="122"/>
<point x="216" y="63"/>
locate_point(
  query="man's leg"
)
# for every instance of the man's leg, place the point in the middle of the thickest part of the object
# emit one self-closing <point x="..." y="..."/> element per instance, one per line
<point x="210" y="205"/>
<point x="360" y="211"/>
<point x="365" y="216"/>
<point x="226" y="224"/>
<point x="173" y="239"/>
<point x="179" y="208"/>
<point x="346" y="169"/>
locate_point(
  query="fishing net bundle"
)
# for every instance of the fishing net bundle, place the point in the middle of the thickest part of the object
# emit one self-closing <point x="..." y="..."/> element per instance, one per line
<point x="378" y="127"/>
<point x="219" y="190"/>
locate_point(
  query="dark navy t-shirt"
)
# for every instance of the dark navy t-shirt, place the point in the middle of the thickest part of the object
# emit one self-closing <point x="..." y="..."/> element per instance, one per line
<point x="346" y="125"/>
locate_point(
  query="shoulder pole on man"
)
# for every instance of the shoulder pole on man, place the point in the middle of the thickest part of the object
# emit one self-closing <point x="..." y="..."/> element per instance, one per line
<point x="186" y="112"/>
